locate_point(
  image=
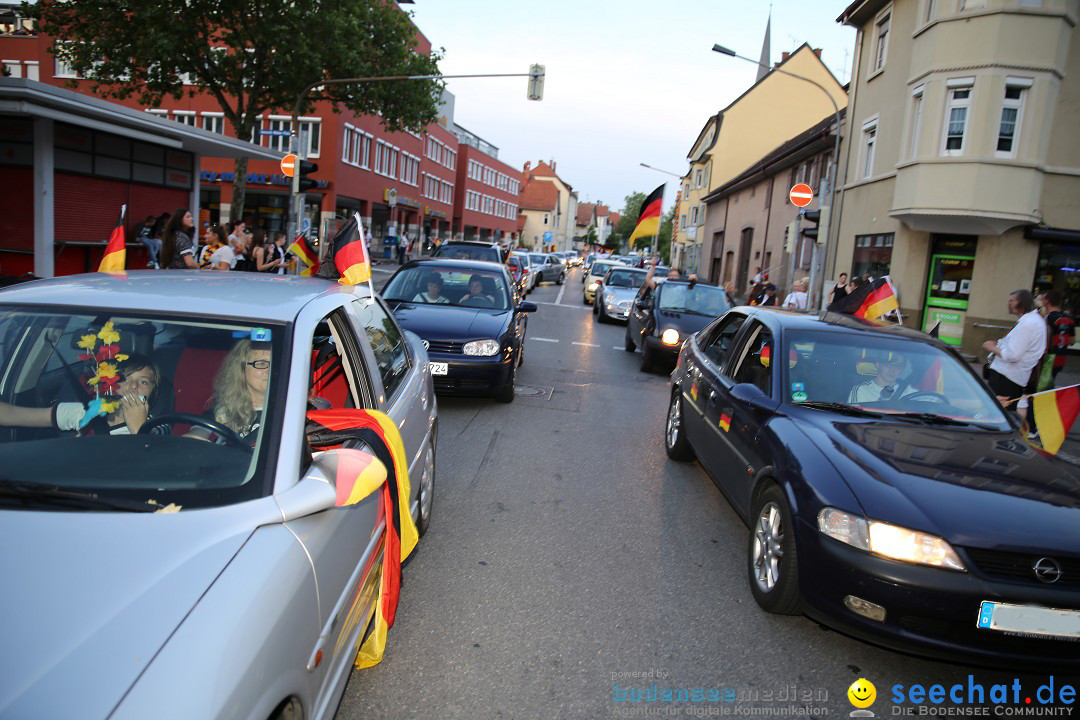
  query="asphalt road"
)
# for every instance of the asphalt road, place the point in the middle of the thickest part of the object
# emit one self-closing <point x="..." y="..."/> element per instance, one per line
<point x="567" y="554"/>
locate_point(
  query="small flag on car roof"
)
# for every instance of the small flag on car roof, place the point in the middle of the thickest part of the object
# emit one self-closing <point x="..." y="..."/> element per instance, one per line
<point x="115" y="257"/>
<point x="349" y="263"/>
<point x="870" y="300"/>
<point x="310" y="258"/>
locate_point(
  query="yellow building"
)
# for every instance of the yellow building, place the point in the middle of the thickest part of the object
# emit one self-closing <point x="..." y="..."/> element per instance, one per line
<point x="961" y="169"/>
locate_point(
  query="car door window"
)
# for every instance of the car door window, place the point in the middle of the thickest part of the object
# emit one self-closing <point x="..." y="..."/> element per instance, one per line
<point x="755" y="359"/>
<point x="387" y="342"/>
<point x="718" y="345"/>
<point x="338" y="379"/>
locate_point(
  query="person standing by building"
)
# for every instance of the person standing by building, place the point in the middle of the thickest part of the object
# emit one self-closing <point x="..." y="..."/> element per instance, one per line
<point x="152" y="245"/>
<point x="1062" y="329"/>
<point x="177" y="247"/>
<point x="797" y="297"/>
<point x="1015" y="356"/>
<point x="839" y="290"/>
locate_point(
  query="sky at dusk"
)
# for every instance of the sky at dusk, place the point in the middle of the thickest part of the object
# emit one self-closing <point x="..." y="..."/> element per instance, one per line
<point x="627" y="82"/>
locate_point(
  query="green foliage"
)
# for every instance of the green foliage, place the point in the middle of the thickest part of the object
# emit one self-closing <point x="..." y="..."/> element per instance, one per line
<point x="628" y="216"/>
<point x="591" y="237"/>
<point x="663" y="241"/>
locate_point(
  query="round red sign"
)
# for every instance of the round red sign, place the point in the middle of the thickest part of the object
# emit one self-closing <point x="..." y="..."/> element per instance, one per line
<point x="801" y="195"/>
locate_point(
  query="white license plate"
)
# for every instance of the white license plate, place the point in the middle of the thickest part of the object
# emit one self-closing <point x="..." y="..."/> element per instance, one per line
<point x="1029" y="620"/>
<point x="438" y="368"/>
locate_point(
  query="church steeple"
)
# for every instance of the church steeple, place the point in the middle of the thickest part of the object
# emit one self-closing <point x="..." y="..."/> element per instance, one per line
<point x="764" y="66"/>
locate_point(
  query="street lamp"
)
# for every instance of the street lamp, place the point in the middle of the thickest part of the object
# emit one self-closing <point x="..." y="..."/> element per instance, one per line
<point x="666" y="172"/>
<point x="831" y="179"/>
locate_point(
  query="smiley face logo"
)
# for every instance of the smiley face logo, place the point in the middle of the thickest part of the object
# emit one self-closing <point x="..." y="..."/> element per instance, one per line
<point x="862" y="693"/>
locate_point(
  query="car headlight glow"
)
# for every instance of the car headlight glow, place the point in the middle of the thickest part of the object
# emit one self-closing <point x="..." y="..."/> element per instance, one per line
<point x="609" y="298"/>
<point x="891" y="541"/>
<point x="483" y="348"/>
<point x="592" y="286"/>
<point x="670" y="337"/>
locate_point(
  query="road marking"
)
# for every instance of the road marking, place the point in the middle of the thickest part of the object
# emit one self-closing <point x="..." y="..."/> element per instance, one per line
<point x="558" y="300"/>
<point x="617" y="347"/>
<point x="575" y="342"/>
<point x="540" y="339"/>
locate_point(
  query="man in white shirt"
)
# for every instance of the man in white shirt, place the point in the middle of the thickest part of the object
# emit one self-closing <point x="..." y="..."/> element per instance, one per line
<point x="1014" y="356"/>
<point x="797" y="297"/>
<point x="885" y="385"/>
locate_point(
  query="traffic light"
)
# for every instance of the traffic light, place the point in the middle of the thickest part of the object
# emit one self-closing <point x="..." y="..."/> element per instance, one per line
<point x="303" y="167"/>
<point x="819" y="233"/>
<point x="789" y="236"/>
<point x="536" y="82"/>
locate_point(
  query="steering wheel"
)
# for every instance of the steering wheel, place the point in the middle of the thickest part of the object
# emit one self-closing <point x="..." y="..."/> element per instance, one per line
<point x="937" y="397"/>
<point x="478" y="301"/>
<point x="230" y="436"/>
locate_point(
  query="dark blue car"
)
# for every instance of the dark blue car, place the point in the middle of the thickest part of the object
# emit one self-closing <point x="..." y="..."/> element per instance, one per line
<point x="887" y="492"/>
<point x="471" y="319"/>
<point x="661" y="318"/>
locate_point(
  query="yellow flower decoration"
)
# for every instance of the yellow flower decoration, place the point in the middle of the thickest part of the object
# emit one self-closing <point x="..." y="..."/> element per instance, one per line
<point x="121" y="357"/>
<point x="110" y="407"/>
<point x="108" y="335"/>
<point x="104" y="370"/>
<point x="87" y="342"/>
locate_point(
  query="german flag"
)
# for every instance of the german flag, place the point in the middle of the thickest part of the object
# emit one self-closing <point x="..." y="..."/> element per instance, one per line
<point x="115" y="257"/>
<point x="648" y="222"/>
<point x="310" y="258"/>
<point x="349" y="263"/>
<point x="871" y="301"/>
<point x="357" y="479"/>
<point x="932" y="381"/>
<point x="1055" y="413"/>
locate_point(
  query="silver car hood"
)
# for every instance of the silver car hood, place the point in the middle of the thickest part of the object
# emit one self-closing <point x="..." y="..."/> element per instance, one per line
<point x="621" y="293"/>
<point x="89" y="598"/>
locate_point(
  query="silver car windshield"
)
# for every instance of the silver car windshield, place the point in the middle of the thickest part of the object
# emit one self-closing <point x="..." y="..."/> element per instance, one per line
<point x="625" y="278"/>
<point x="148" y="410"/>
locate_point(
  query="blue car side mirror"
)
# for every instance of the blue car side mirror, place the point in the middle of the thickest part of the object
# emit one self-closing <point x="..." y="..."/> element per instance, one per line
<point x="527" y="307"/>
<point x="750" y="394"/>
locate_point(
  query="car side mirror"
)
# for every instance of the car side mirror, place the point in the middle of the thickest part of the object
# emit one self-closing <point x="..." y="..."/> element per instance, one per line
<point x="336" y="478"/>
<point x="753" y="396"/>
<point x="527" y="307"/>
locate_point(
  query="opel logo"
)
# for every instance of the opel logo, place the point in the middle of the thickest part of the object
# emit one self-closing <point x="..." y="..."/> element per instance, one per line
<point x="427" y="345"/>
<point x="1047" y="570"/>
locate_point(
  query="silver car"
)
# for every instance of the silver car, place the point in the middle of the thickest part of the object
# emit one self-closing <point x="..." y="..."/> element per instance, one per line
<point x="178" y="550"/>
<point x="620" y="286"/>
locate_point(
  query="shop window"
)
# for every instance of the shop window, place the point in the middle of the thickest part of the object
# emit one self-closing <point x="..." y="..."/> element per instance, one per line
<point x="873" y="255"/>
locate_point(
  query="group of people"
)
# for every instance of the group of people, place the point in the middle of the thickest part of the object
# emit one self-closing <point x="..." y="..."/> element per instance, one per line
<point x="1043" y="333"/>
<point x="171" y="243"/>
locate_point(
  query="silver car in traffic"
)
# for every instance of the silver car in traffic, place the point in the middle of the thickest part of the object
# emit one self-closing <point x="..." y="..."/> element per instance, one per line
<point x="612" y="302"/>
<point x="173" y="547"/>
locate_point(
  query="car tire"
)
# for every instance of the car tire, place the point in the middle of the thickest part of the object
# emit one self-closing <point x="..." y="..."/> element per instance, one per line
<point x="675" y="442"/>
<point x="772" y="561"/>
<point x="602" y="316"/>
<point x="427" y="490"/>
<point x="646" y="358"/>
<point x="505" y="394"/>
<point x="628" y="341"/>
<point x="585" y="300"/>
<point x="289" y="709"/>
<point x="562" y="276"/>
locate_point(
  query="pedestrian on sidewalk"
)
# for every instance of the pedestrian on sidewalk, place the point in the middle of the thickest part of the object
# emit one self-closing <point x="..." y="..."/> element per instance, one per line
<point x="797" y="297"/>
<point x="839" y="290"/>
<point x="1014" y="358"/>
<point x="177" y="245"/>
<point x="1062" y="329"/>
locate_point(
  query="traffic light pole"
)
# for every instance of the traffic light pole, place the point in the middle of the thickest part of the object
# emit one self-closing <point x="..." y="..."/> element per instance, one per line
<point x="536" y="75"/>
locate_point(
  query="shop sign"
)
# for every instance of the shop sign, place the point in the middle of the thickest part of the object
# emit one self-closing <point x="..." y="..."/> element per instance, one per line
<point x="432" y="212"/>
<point x="950" y="325"/>
<point x="399" y="199"/>
<point x="255" y="179"/>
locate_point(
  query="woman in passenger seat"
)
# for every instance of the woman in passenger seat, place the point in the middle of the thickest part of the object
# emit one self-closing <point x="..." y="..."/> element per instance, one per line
<point x="240" y="391"/>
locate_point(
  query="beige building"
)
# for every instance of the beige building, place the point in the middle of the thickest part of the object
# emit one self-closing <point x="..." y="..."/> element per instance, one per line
<point x="961" y="170"/>
<point x="562" y="220"/>
<point x="537" y="208"/>
<point x="748" y="216"/>
<point x="775" y="109"/>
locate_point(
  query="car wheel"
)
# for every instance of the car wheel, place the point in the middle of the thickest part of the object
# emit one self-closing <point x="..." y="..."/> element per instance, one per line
<point x="427" y="490"/>
<point x="505" y="394"/>
<point x="646" y="358"/>
<point x="288" y="710"/>
<point x="562" y="276"/>
<point x="585" y="299"/>
<point x="601" y="314"/>
<point x="772" y="562"/>
<point x="595" y="309"/>
<point x="675" y="433"/>
<point x="629" y="345"/>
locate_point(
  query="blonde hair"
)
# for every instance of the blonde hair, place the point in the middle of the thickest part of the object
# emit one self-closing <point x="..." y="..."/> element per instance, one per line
<point x="231" y="399"/>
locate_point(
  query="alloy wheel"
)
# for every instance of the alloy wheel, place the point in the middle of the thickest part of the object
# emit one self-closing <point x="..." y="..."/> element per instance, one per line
<point x="768" y="547"/>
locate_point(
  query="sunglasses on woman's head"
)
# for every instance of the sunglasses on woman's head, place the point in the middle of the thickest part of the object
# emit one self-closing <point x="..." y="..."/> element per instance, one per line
<point x="259" y="364"/>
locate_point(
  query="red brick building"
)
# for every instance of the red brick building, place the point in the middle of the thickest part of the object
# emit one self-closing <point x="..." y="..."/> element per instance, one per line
<point x="486" y="205"/>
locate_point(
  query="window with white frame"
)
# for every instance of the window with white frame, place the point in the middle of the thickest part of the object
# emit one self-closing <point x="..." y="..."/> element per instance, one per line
<point x="682" y="220"/>
<point x="881" y="38"/>
<point x="697" y="179"/>
<point x="278" y="124"/>
<point x="410" y="169"/>
<point x="63" y="67"/>
<point x="449" y="158"/>
<point x="869" y="144"/>
<point x="515" y="187"/>
<point x="547" y="218"/>
<point x="931" y="10"/>
<point x="311" y="131"/>
<point x="916" y="120"/>
<point x="958" y="102"/>
<point x="1012" y="107"/>
<point x="185" y="117"/>
<point x="160" y="113"/>
<point x="693" y="215"/>
<point x="701" y="214"/>
<point x="972" y="4"/>
<point x="214" y="122"/>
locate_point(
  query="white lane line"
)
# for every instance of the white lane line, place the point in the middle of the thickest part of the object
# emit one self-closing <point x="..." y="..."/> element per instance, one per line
<point x="575" y="307"/>
<point x="558" y="300"/>
<point x="540" y="339"/>
<point x="575" y="342"/>
<point x="617" y="347"/>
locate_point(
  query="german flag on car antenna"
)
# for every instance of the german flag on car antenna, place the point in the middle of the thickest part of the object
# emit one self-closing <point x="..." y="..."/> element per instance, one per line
<point x="347" y="261"/>
<point x="648" y="222"/>
<point x="871" y="300"/>
<point x="115" y="257"/>
<point x="301" y="249"/>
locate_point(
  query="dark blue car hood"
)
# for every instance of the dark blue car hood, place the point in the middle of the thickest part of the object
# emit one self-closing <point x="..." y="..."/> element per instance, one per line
<point x="449" y="322"/>
<point x="975" y="488"/>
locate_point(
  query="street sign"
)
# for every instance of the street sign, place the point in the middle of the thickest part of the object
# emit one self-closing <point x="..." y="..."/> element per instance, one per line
<point x="287" y="164"/>
<point x="276" y="133"/>
<point x="391" y="197"/>
<point x="801" y="195"/>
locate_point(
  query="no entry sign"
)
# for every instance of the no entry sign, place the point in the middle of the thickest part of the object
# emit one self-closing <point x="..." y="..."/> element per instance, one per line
<point x="289" y="162"/>
<point x="801" y="195"/>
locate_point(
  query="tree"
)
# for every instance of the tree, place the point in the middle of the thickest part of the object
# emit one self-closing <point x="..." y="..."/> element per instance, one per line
<point x="663" y="241"/>
<point x="253" y="56"/>
<point x="590" y="236"/>
<point x="628" y="217"/>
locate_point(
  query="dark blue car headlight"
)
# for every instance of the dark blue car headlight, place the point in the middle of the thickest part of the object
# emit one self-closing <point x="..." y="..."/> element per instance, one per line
<point x="891" y="541"/>
<point x="482" y="348"/>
